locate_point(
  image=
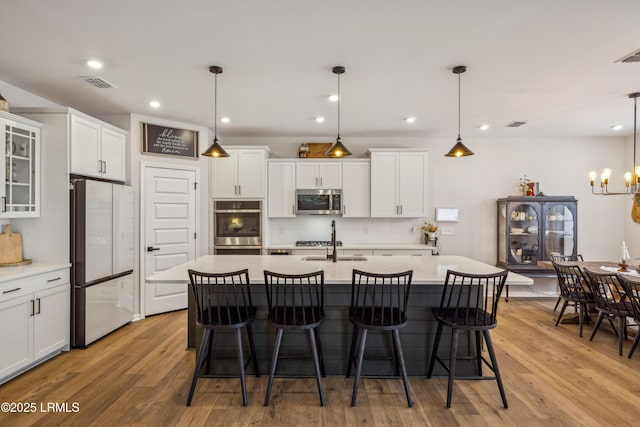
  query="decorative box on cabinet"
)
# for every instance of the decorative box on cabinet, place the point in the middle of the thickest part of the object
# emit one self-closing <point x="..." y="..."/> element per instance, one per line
<point x="398" y="183"/>
<point x="34" y="320"/>
<point x="531" y="228"/>
<point x="20" y="169"/>
<point x="241" y="175"/>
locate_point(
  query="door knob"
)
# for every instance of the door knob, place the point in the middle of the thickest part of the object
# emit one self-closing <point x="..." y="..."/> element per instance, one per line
<point x="151" y="249"/>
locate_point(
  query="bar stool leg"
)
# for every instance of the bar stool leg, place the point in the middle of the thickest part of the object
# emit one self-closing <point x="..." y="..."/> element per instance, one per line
<point x="452" y="364"/>
<point x="434" y="352"/>
<point x="243" y="383"/>
<point x="199" y="363"/>
<point x="356" y="383"/>
<point x="274" y="361"/>
<point x="494" y="366"/>
<point x="403" y="368"/>
<point x="252" y="347"/>
<point x="352" y="350"/>
<point x="316" y="364"/>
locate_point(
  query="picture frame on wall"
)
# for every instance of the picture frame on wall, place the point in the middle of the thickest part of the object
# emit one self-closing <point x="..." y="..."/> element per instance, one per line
<point x="170" y="141"/>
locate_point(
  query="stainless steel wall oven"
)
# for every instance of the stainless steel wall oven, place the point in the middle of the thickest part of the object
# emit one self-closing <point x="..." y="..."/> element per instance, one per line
<point x="237" y="227"/>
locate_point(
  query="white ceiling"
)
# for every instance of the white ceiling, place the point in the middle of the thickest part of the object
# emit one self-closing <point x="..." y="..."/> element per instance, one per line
<point x="551" y="63"/>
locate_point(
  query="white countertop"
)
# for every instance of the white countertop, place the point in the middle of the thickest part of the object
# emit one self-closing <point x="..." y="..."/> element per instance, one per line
<point x="426" y="269"/>
<point x="20" y="271"/>
<point x="373" y="246"/>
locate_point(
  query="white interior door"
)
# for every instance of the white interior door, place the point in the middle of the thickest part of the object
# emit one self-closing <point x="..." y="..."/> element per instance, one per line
<point x="170" y="217"/>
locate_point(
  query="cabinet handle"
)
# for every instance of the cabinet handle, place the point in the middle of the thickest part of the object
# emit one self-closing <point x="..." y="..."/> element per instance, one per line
<point x="239" y="190"/>
<point x="293" y="209"/>
<point x="105" y="167"/>
<point x="54" y="280"/>
<point x="11" y="290"/>
<point x="320" y="181"/>
<point x="33" y="307"/>
<point x="4" y="204"/>
<point x="344" y="209"/>
<point x="38" y="299"/>
<point x="99" y="165"/>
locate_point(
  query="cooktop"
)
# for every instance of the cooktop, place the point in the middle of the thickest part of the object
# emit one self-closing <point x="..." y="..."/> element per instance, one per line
<point x="317" y="243"/>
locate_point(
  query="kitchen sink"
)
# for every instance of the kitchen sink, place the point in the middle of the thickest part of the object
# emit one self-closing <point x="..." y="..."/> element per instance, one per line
<point x="340" y="258"/>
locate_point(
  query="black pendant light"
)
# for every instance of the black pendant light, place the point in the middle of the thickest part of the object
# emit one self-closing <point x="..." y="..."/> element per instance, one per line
<point x="215" y="150"/>
<point x="459" y="150"/>
<point x="338" y="149"/>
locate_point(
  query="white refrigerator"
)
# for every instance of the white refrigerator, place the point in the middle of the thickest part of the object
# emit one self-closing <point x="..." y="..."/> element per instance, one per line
<point x="102" y="252"/>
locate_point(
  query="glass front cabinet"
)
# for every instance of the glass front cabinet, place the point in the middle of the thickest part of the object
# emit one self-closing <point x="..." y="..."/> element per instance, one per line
<point x="20" y="170"/>
<point x="531" y="228"/>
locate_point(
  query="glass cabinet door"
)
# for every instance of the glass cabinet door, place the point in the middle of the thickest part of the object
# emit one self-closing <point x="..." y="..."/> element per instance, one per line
<point x="560" y="229"/>
<point x="524" y="223"/>
<point x="21" y="184"/>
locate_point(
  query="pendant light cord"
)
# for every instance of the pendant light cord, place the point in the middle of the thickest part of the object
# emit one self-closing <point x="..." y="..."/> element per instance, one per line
<point x="339" y="100"/>
<point x="215" y="109"/>
<point x="635" y="130"/>
<point x="459" y="105"/>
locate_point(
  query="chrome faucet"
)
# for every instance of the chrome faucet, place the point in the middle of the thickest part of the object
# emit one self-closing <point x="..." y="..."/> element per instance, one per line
<point x="334" y="255"/>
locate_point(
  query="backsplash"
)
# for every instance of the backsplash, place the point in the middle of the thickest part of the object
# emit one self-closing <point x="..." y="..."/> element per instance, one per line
<point x="349" y="230"/>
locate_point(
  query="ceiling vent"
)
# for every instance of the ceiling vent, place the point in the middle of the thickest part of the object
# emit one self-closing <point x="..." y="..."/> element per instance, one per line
<point x="98" y="82"/>
<point x="633" y="57"/>
<point x="516" y="124"/>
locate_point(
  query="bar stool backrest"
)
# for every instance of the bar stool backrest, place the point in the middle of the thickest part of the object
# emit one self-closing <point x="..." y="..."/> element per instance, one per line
<point x="471" y="299"/>
<point x="295" y="299"/>
<point x="222" y="299"/>
<point x="380" y="299"/>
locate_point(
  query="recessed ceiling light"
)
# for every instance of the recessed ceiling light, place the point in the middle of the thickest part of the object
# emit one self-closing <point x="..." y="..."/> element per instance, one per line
<point x="333" y="98"/>
<point x="410" y="119"/>
<point x="617" y="127"/>
<point x="484" y="127"/>
<point x="154" y="104"/>
<point x="319" y="119"/>
<point x="94" y="63"/>
<point x="225" y="120"/>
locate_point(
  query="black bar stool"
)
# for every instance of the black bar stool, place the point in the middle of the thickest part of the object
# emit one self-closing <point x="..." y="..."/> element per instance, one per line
<point x="223" y="301"/>
<point x="469" y="303"/>
<point x="296" y="301"/>
<point x="378" y="302"/>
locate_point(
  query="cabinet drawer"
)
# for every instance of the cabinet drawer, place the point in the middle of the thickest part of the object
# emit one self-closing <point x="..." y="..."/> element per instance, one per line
<point x="26" y="285"/>
<point x="357" y="252"/>
<point x="402" y="252"/>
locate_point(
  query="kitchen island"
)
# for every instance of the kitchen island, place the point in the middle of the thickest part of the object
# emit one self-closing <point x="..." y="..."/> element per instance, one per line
<point x="429" y="273"/>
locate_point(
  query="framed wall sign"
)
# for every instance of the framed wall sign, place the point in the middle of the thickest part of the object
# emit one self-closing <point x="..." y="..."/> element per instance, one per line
<point x="170" y="141"/>
<point x="447" y="214"/>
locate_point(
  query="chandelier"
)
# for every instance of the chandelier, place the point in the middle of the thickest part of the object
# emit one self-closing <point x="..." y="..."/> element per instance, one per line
<point x="632" y="179"/>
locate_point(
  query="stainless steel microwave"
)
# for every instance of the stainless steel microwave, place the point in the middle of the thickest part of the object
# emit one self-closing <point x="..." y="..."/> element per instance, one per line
<point x="319" y="202"/>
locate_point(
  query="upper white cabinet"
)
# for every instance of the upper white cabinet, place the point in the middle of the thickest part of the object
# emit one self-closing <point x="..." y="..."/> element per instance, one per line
<point x="356" y="188"/>
<point x="321" y="174"/>
<point x="281" y="199"/>
<point x="97" y="148"/>
<point x="398" y="183"/>
<point x="241" y="175"/>
<point x="20" y="170"/>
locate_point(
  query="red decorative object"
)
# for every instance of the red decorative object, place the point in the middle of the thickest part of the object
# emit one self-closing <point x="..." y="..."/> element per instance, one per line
<point x="531" y="188"/>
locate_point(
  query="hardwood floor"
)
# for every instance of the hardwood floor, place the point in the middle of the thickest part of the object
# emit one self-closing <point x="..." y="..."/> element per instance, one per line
<point x="140" y="376"/>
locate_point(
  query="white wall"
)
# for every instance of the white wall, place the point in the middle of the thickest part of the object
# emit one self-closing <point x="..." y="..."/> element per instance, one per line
<point x="473" y="184"/>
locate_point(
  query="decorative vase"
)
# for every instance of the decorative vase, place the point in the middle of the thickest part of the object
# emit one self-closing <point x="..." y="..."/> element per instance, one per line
<point x="4" y="105"/>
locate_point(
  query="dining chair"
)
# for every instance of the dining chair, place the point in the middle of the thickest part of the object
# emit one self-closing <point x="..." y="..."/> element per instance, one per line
<point x="379" y="303"/>
<point x="469" y="302"/>
<point x="223" y="302"/>
<point x="631" y="287"/>
<point x="611" y="301"/>
<point x="557" y="256"/>
<point x="573" y="290"/>
<point x="296" y="302"/>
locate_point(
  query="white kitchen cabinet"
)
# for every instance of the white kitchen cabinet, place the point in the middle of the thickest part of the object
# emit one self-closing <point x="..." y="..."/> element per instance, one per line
<point x="398" y="183"/>
<point x="241" y="175"/>
<point x="34" y="320"/>
<point x="318" y="175"/>
<point x="356" y="189"/>
<point x="20" y="170"/>
<point x="97" y="148"/>
<point x="281" y="199"/>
